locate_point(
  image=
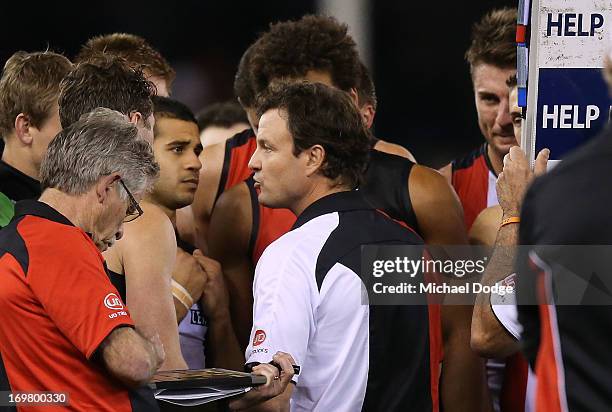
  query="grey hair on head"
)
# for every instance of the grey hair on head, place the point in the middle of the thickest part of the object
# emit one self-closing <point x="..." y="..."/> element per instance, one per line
<point x="101" y="142"/>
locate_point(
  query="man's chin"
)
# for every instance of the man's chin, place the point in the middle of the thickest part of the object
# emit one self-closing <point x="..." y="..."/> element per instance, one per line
<point x="502" y="145"/>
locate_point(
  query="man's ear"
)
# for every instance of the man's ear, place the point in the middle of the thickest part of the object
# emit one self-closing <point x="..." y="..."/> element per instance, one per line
<point x="367" y="114"/>
<point x="355" y="96"/>
<point x="135" y="117"/>
<point x="104" y="185"/>
<point x="315" y="158"/>
<point x="22" y="129"/>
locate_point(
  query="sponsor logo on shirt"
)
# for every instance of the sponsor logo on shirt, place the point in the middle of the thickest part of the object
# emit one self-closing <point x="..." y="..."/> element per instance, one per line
<point x="259" y="338"/>
<point x="197" y="317"/>
<point x="113" y="302"/>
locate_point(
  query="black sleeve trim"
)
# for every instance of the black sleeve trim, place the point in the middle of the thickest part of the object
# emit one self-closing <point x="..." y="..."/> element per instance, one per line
<point x="255" y="214"/>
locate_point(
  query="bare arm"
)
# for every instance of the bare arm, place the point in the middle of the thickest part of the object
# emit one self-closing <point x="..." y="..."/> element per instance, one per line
<point x="436" y="207"/>
<point x="229" y="235"/>
<point x="489" y="337"/>
<point x="130" y="357"/>
<point x="440" y="219"/>
<point x="148" y="251"/>
<point x="212" y="158"/>
<point x="222" y="349"/>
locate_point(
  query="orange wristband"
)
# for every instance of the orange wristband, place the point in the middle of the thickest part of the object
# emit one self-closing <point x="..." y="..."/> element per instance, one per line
<point x="509" y="221"/>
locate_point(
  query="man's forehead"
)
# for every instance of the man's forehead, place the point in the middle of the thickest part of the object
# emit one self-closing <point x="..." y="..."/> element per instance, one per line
<point x="272" y="123"/>
<point x="493" y="78"/>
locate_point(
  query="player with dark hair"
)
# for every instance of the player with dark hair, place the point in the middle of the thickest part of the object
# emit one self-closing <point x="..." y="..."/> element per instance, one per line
<point x="220" y="121"/>
<point x="205" y="329"/>
<point x="137" y="52"/>
<point x="492" y="60"/>
<point x="107" y="81"/>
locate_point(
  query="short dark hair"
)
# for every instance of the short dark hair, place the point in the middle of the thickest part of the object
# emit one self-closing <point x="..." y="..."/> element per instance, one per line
<point x="494" y="39"/>
<point x="243" y="82"/>
<point x="106" y="81"/>
<point x="30" y="84"/>
<point x="134" y="49"/>
<point x="366" y="89"/>
<point x="319" y="114"/>
<point x="222" y="114"/>
<point x="290" y="49"/>
<point x="164" y="107"/>
<point x="512" y="81"/>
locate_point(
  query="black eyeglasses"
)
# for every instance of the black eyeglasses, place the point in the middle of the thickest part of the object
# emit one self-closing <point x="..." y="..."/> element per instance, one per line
<point x="134" y="210"/>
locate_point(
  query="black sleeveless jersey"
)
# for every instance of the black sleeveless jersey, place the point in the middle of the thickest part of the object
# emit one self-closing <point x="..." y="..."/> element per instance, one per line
<point x="386" y="186"/>
<point x="118" y="282"/>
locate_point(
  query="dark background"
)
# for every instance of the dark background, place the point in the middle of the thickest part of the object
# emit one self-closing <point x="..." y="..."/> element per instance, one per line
<point x="423" y="84"/>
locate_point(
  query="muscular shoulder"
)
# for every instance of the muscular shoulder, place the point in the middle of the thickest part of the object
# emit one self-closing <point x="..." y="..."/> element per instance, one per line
<point x="428" y="183"/>
<point x="485" y="227"/>
<point x="395" y="149"/>
<point x="235" y="200"/>
<point x="153" y="222"/>
<point x="151" y="235"/>
<point x="212" y="158"/>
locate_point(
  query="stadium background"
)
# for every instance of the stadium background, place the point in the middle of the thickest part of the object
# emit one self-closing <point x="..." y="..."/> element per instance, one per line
<point x="415" y="48"/>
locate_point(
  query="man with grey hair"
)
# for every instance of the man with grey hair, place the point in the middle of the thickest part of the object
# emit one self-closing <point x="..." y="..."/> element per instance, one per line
<point x="55" y="288"/>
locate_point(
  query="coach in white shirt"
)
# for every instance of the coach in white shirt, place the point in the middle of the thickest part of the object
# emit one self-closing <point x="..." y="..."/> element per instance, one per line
<point x="312" y="150"/>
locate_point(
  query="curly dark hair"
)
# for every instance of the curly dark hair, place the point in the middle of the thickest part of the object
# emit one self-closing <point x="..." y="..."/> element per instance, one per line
<point x="321" y="115"/>
<point x="290" y="49"/>
<point x="494" y="39"/>
<point x="134" y="49"/>
<point x="366" y="89"/>
<point x="243" y="82"/>
<point x="104" y="81"/>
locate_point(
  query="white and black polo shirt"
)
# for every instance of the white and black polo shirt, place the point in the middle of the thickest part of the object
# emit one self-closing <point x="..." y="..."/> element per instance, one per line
<point x="308" y="302"/>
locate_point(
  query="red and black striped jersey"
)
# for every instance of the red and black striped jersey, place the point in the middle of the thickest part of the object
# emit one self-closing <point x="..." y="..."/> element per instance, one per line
<point x="238" y="152"/>
<point x="474" y="181"/>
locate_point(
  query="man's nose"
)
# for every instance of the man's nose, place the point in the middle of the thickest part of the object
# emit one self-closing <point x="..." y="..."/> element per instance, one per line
<point x="254" y="163"/>
<point x="503" y="119"/>
<point x="194" y="163"/>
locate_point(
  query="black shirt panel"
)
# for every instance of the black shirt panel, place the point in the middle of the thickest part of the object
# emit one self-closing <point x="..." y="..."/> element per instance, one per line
<point x="399" y="357"/>
<point x="17" y="185"/>
<point x="571" y="206"/>
<point x="118" y="282"/>
<point x="386" y="186"/>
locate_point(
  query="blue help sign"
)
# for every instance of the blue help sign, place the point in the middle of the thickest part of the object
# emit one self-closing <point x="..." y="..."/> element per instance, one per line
<point x="573" y="106"/>
<point x="568" y="100"/>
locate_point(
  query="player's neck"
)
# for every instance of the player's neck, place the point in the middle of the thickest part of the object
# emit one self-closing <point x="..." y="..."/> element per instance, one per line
<point x="497" y="162"/>
<point x="17" y="158"/>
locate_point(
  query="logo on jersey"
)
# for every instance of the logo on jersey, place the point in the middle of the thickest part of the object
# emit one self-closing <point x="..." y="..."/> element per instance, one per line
<point x="259" y="338"/>
<point x="113" y="302"/>
<point x="197" y="317"/>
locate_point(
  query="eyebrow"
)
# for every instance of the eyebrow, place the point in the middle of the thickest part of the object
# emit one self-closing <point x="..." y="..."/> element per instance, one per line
<point x="178" y="141"/>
